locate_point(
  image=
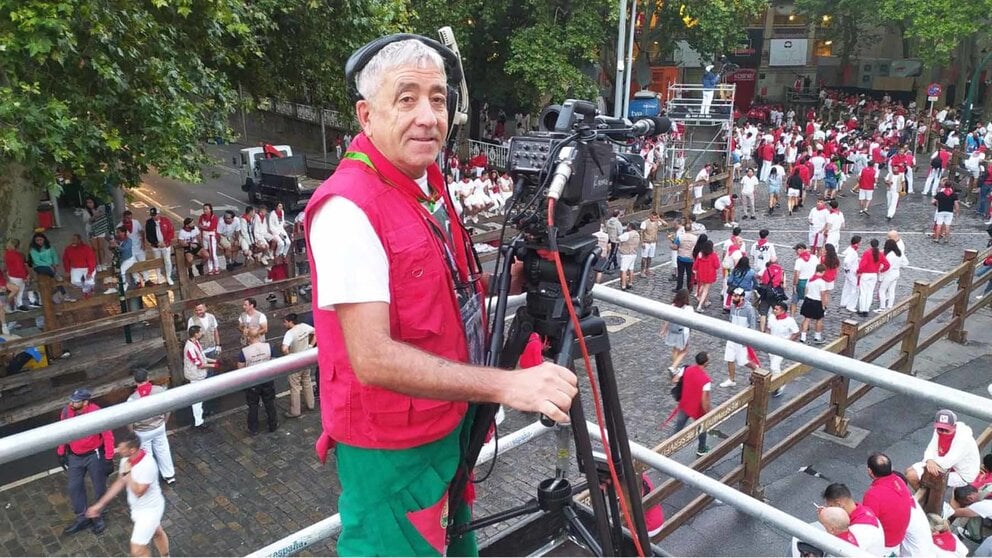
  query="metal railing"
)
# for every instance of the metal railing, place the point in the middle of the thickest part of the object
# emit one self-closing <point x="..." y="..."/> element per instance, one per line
<point x="45" y="437"/>
<point x="308" y="113"/>
<point x="498" y="154"/>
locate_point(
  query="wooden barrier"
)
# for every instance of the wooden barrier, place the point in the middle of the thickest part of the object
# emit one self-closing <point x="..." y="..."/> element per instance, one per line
<point x="833" y="419"/>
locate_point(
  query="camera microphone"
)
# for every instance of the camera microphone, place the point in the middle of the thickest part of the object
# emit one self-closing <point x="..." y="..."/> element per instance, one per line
<point x="651" y="126"/>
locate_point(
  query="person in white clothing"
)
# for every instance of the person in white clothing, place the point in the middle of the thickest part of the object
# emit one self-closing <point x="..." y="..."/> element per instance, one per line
<point x="748" y="185"/>
<point x="151" y="431"/>
<point x="702" y="180"/>
<point x="850" y="259"/>
<point x="865" y="525"/>
<point x="887" y="280"/>
<point x="783" y="326"/>
<point x="833" y="225"/>
<point x="298" y="338"/>
<point x="947" y="544"/>
<point x="139" y="476"/>
<point x="968" y="504"/>
<point x="196" y="368"/>
<point x="263" y="237"/>
<point x="232" y="239"/>
<point x="819" y="163"/>
<point x="817" y="220"/>
<point x="952" y="450"/>
<point x="918" y="541"/>
<point x="893" y="187"/>
<point x="210" y="340"/>
<point x="277" y="230"/>
<point x="761" y="253"/>
<point x="137" y="235"/>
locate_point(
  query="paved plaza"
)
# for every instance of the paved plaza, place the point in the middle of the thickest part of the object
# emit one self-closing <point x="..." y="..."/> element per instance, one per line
<point x="237" y="493"/>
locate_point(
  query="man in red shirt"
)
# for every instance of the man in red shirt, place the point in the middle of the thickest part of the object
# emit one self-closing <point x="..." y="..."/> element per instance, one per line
<point x="79" y="260"/>
<point x="866" y="187"/>
<point x="695" y="401"/>
<point x="890" y="499"/>
<point x="91" y="455"/>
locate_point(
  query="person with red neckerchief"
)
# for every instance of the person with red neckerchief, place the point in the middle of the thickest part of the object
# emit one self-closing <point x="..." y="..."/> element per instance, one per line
<point x="207" y="225"/>
<point x="88" y="456"/>
<point x="139" y="476"/>
<point x="151" y="431"/>
<point x="399" y="317"/>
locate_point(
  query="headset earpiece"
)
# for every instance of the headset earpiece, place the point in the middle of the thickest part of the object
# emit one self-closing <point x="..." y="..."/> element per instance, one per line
<point x="361" y="57"/>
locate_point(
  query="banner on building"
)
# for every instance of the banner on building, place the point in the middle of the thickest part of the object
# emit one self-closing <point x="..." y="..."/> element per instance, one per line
<point x="788" y="52"/>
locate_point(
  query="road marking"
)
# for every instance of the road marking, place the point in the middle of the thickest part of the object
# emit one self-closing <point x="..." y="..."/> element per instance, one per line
<point x="218" y="210"/>
<point x="151" y="201"/>
<point x="139" y="205"/>
<point x="937" y="271"/>
<point x="232" y="198"/>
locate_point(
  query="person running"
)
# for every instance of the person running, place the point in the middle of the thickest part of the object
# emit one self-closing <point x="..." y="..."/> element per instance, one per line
<point x="815" y="305"/>
<point x="872" y="264"/>
<point x="705" y="269"/>
<point x="139" y="476"/>
<point x="676" y="336"/>
<point x="888" y="279"/>
<point x="696" y="399"/>
<point x="948" y="206"/>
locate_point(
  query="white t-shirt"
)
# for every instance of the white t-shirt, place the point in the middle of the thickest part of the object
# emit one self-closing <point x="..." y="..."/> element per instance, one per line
<point x="748" y="184"/>
<point x="299" y="332"/>
<point x="819" y="163"/>
<point x="784" y="328"/>
<point x="723" y="202"/>
<point x="145" y="472"/>
<point x="918" y="540"/>
<point x="251" y="321"/>
<point x="835" y="221"/>
<point x="354" y="271"/>
<point x="815" y="288"/>
<point x="982" y="508"/>
<point x="192" y="235"/>
<point x="229" y="230"/>
<point x="807" y="268"/>
<point x="818" y="218"/>
<point x="703" y="175"/>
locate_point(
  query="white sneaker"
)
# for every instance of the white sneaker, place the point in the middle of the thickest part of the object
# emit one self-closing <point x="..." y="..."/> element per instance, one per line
<point x="110" y="291"/>
<point x="728" y="225"/>
<point x="728" y="383"/>
<point x="979" y="297"/>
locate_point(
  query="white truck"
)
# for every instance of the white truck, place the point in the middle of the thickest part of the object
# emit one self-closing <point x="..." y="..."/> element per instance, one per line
<point x="289" y="179"/>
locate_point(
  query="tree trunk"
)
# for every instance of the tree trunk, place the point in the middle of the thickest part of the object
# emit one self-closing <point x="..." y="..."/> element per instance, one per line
<point x="20" y="199"/>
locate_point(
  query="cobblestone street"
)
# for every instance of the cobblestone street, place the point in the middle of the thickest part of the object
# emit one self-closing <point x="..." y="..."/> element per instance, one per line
<point x="236" y="493"/>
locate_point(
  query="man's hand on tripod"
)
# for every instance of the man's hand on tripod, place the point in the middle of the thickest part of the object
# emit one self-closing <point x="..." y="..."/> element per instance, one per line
<point x="546" y="388"/>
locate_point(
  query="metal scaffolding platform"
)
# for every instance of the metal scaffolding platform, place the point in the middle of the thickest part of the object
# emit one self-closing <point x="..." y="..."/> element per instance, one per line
<point x="704" y="139"/>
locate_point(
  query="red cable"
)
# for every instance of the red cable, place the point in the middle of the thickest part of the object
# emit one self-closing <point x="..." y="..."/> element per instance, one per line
<point x="592" y="383"/>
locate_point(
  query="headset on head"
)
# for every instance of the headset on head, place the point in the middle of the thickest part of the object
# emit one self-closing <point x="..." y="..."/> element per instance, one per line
<point x="361" y="57"/>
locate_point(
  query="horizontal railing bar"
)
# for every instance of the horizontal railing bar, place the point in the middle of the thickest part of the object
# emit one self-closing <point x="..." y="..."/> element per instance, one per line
<point x="742" y="502"/>
<point x="895" y="382"/>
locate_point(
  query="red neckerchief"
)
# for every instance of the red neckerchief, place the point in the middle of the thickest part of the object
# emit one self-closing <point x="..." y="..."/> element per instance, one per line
<point x="855" y="246"/>
<point x="849" y="537"/>
<point x="279" y="214"/>
<point x="945" y="540"/>
<point x="947" y="191"/>
<point x="134" y="459"/>
<point x="815" y="277"/>
<point x="834" y="211"/>
<point x="762" y="241"/>
<point x="144" y="389"/>
<point x="944" y="443"/>
<point x="804" y="256"/>
<point x="782" y="316"/>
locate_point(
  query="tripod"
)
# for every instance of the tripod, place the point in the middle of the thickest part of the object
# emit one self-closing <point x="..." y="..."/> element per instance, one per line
<point x="544" y="313"/>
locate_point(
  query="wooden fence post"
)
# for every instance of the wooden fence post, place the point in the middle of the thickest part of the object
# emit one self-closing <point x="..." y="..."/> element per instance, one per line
<point x="757" y="412"/>
<point x="173" y="352"/>
<point x="842" y="384"/>
<point x="45" y="291"/>
<point x="958" y="333"/>
<point x="921" y="289"/>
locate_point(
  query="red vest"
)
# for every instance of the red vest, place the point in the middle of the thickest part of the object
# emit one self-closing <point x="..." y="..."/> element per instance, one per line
<point x="423" y="311"/>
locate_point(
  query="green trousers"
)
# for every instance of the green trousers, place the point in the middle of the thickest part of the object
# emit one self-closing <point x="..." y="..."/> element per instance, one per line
<point x="395" y="502"/>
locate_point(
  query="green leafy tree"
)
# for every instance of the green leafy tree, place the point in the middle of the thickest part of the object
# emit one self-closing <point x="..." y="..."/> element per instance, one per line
<point x="937" y="27"/>
<point x="304" y="46"/>
<point x="105" y="89"/>
<point x="709" y="26"/>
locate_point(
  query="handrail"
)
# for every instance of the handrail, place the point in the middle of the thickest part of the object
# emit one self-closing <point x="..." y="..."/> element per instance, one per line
<point x="32" y="441"/>
<point x="755" y="508"/>
<point x="895" y="382"/>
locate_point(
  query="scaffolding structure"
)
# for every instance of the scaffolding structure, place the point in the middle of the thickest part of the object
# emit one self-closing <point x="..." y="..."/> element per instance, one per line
<point x="704" y="139"/>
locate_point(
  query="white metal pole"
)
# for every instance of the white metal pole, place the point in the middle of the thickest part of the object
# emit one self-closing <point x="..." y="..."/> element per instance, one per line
<point x="621" y="39"/>
<point x="629" y="65"/>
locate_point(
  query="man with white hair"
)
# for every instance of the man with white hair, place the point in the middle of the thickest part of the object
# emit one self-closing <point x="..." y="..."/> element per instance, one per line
<point x="398" y="316"/>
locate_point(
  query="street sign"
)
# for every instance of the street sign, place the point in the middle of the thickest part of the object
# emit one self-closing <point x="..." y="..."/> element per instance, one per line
<point x="933" y="98"/>
<point x="933" y="90"/>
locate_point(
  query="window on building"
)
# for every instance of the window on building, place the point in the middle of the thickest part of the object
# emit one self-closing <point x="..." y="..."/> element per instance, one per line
<point x="786" y="20"/>
<point x="824" y="47"/>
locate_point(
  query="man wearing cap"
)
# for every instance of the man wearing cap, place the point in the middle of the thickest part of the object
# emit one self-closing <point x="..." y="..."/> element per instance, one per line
<point x="709" y="85"/>
<point x="742" y="313"/>
<point x="952" y="450"/>
<point x="91" y="455"/>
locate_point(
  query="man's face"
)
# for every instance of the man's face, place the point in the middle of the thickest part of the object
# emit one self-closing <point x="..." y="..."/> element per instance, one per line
<point x="200" y="310"/>
<point x="77" y="405"/>
<point x="737" y="299"/>
<point x="228" y="219"/>
<point x="125" y="450"/>
<point x="407" y="118"/>
<point x="944" y="429"/>
<point x="245" y="306"/>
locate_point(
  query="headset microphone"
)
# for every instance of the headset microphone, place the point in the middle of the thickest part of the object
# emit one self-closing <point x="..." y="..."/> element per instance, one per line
<point x="448" y="39"/>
